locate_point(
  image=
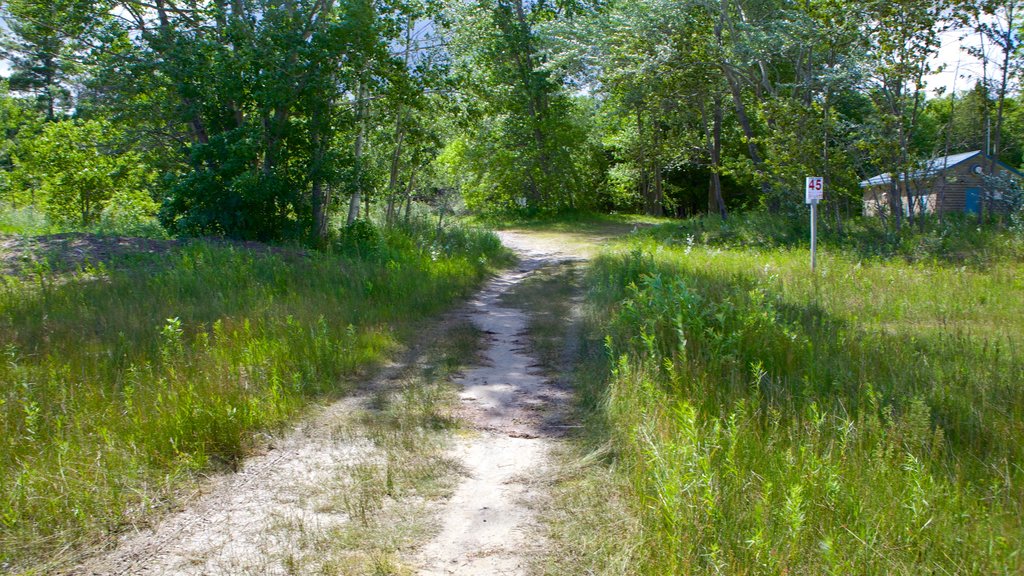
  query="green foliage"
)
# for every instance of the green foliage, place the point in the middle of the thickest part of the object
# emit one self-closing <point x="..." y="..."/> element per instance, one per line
<point x="526" y="146"/>
<point x="130" y="213"/>
<point x="27" y="220"/>
<point x="43" y="42"/>
<point x="74" y="170"/>
<point x="169" y="366"/>
<point x="18" y="122"/>
<point x="361" y="237"/>
<point x="771" y="421"/>
<point x="249" y="104"/>
<point x="956" y="240"/>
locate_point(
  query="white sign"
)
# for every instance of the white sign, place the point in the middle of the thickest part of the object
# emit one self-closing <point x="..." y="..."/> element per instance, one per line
<point x="814" y="190"/>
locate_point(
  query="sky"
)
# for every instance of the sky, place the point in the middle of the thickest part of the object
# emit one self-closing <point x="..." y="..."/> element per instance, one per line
<point x="961" y="70"/>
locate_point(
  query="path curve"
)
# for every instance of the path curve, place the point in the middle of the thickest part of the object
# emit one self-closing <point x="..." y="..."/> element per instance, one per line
<point x="486" y="527"/>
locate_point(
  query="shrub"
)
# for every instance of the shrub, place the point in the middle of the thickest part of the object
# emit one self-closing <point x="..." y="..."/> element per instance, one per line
<point x="74" y="169"/>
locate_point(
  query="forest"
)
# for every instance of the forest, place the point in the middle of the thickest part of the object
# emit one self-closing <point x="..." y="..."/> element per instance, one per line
<point x="373" y="287"/>
<point x="282" y="120"/>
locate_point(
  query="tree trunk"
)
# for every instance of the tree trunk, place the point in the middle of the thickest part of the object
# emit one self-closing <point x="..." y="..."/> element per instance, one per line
<point x="657" y="200"/>
<point x="829" y="192"/>
<point x="1008" y="50"/>
<point x="715" y="201"/>
<point x="748" y="132"/>
<point x="396" y="157"/>
<point x="645" y="182"/>
<point x="408" y="195"/>
<point x="321" y="202"/>
<point x="195" y="123"/>
<point x="353" y="205"/>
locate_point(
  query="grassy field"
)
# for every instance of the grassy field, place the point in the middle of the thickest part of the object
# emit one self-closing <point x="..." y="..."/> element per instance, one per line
<point x="745" y="417"/>
<point x="118" y="383"/>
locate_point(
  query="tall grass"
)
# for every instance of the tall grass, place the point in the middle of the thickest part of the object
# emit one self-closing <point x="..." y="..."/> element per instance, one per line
<point x="957" y="239"/>
<point x="118" y="383"/>
<point x="867" y="420"/>
<point x="28" y="220"/>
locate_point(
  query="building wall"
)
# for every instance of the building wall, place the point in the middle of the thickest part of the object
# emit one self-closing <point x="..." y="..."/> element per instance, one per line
<point x="952" y="188"/>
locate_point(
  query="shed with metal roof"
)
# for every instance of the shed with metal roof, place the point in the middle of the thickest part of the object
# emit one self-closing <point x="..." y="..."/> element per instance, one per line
<point x="954" y="183"/>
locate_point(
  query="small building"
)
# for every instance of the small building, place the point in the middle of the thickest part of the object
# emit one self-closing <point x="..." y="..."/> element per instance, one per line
<point x="954" y="183"/>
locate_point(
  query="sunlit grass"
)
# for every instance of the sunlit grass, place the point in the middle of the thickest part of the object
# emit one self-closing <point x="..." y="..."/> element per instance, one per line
<point x="116" y="384"/>
<point x="868" y="419"/>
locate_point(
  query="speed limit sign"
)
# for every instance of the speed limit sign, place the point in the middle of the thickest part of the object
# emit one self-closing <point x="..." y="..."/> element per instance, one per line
<point x="814" y="190"/>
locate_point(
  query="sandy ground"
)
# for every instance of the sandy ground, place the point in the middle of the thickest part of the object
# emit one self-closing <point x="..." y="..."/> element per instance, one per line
<point x="232" y="525"/>
<point x="489" y="526"/>
<point x="244" y="523"/>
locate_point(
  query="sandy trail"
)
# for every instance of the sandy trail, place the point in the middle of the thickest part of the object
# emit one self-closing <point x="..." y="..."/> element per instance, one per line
<point x="230" y="527"/>
<point x="488" y="526"/>
<point x="245" y="523"/>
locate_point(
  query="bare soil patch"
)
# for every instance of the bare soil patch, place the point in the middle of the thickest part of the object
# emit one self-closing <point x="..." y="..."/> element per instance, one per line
<point x="20" y="255"/>
<point x="516" y="413"/>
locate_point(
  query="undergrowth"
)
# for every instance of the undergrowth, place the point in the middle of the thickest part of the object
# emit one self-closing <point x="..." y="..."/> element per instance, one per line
<point x="117" y="384"/>
<point x="868" y="420"/>
<point x="958" y="239"/>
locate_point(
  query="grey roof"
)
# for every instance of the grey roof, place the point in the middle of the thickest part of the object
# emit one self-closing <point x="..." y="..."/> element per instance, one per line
<point x="930" y="168"/>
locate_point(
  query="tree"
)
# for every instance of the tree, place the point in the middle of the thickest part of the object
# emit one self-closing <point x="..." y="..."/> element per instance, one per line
<point x="907" y="35"/>
<point x="996" y="24"/>
<point x="18" y="123"/>
<point x="42" y="43"/>
<point x="255" y="98"/>
<point x="74" y="169"/>
<point x="530" y="140"/>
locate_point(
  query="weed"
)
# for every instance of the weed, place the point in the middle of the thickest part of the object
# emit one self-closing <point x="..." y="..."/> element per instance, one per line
<point x="115" y="386"/>
<point x="867" y="420"/>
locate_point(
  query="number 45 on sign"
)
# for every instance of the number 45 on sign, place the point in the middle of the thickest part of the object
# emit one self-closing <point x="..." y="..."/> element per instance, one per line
<point x="814" y="191"/>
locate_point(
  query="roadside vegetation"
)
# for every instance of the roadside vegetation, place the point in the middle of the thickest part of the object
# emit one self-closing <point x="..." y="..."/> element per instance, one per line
<point x="390" y="494"/>
<point x="757" y="419"/>
<point x="122" y="380"/>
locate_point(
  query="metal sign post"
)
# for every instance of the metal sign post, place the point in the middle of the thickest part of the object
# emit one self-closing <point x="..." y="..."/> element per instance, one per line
<point x="813" y="193"/>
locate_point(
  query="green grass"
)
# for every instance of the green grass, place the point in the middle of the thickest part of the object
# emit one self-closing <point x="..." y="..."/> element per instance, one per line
<point x="27" y="220"/>
<point x="571" y="222"/>
<point x="867" y="420"/>
<point x="391" y="494"/>
<point x="119" y="384"/>
<point x="956" y="240"/>
<point x="32" y="221"/>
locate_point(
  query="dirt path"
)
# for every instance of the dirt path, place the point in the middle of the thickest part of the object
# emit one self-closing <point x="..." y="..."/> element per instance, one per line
<point x="488" y="526"/>
<point x="293" y="503"/>
<point x="233" y="526"/>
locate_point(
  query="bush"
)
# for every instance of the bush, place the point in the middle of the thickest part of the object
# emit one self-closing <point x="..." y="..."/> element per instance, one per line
<point x="131" y="213"/>
<point x="74" y="169"/>
<point x="27" y="220"/>
<point x="362" y="238"/>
